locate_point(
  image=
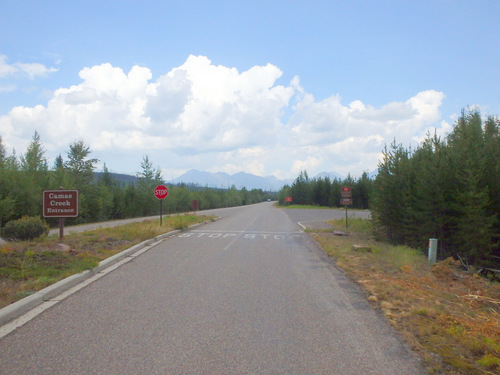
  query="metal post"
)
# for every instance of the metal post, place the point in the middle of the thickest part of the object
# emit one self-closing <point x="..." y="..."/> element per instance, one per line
<point x="432" y="250"/>
<point x="161" y="210"/>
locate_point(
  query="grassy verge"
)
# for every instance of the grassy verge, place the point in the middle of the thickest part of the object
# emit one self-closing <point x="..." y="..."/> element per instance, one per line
<point x="304" y="206"/>
<point x="28" y="266"/>
<point x="308" y="207"/>
<point x="452" y="318"/>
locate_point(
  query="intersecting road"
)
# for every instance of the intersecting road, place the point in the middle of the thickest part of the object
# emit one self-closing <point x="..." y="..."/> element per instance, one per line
<point x="248" y="294"/>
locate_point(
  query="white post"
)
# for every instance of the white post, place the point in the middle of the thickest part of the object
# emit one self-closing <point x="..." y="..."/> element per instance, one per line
<point x="433" y="243"/>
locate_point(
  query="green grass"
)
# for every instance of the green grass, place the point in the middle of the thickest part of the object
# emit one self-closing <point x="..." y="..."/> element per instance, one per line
<point x="310" y="206"/>
<point x="401" y="256"/>
<point x="305" y="206"/>
<point x="357" y="225"/>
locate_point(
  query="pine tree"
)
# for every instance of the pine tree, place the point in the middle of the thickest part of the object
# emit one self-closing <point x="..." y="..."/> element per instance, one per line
<point x="492" y="178"/>
<point x="321" y="188"/>
<point x="432" y="192"/>
<point x="7" y="202"/>
<point x="80" y="169"/>
<point x="301" y="189"/>
<point x="362" y="192"/>
<point x="392" y="196"/>
<point x="473" y="223"/>
<point x="79" y="165"/>
<point x="149" y="178"/>
<point x="3" y="154"/>
<point x="33" y="165"/>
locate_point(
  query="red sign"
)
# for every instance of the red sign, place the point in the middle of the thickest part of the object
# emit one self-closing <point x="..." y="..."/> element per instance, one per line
<point x="60" y="203"/>
<point x="161" y="192"/>
<point x="288" y="199"/>
<point x="345" y="192"/>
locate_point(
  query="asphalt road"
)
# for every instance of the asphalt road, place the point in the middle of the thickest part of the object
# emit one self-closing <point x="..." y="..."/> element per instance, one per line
<point x="248" y="294"/>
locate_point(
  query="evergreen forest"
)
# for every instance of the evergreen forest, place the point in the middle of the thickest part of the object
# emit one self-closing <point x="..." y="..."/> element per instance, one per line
<point x="447" y="188"/>
<point x="101" y="196"/>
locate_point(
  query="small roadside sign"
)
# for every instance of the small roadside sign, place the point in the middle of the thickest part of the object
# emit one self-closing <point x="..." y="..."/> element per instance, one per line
<point x="346" y="201"/>
<point x="288" y="199"/>
<point x="161" y="193"/>
<point x="60" y="203"/>
<point x="346" y="192"/>
<point x="195" y="205"/>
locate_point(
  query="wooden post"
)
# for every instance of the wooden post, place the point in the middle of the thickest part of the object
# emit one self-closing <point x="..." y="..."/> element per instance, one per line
<point x="346" y="225"/>
<point x="61" y="228"/>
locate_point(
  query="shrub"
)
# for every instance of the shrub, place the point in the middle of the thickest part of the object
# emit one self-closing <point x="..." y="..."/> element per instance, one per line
<point x="24" y="229"/>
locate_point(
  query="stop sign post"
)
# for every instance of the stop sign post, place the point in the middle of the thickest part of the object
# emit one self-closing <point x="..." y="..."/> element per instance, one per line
<point x="161" y="193"/>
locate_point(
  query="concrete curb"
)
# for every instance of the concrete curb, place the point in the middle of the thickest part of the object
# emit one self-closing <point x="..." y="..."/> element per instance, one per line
<point x="26" y="304"/>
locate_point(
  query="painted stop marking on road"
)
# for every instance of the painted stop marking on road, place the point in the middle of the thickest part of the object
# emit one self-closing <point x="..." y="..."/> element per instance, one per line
<point x="161" y="192"/>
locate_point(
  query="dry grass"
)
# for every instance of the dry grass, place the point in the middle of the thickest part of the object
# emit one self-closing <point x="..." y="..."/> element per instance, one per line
<point x="450" y="317"/>
<point x="28" y="266"/>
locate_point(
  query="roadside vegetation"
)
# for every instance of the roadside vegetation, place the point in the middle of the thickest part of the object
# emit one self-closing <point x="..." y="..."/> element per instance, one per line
<point x="29" y="266"/>
<point x="324" y="192"/>
<point x="447" y="188"/>
<point x="303" y="206"/>
<point x="451" y="317"/>
<point x="102" y="197"/>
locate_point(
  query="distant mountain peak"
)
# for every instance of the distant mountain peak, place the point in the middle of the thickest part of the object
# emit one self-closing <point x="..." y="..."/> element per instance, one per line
<point x="224" y="180"/>
<point x="330" y="175"/>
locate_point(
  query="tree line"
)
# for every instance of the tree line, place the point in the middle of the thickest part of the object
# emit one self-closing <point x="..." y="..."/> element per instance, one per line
<point x="23" y="180"/>
<point x="447" y="188"/>
<point x="323" y="191"/>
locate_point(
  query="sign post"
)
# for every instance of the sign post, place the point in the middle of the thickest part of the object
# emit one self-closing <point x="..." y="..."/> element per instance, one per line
<point x="61" y="204"/>
<point x="195" y="205"/>
<point x="346" y="200"/>
<point x="161" y="193"/>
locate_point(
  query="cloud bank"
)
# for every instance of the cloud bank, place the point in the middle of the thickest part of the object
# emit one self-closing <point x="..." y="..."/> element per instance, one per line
<point x="215" y="118"/>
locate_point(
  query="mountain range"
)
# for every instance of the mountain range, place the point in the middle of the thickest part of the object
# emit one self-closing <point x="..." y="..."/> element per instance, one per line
<point x="223" y="180"/>
<point x="241" y="179"/>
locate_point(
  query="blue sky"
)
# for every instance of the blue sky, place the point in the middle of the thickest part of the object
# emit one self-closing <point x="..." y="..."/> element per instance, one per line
<point x="265" y="87"/>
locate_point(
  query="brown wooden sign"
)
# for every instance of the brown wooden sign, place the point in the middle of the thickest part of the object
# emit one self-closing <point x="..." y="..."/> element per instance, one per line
<point x="60" y="203"/>
<point x="346" y="201"/>
<point x="195" y="205"/>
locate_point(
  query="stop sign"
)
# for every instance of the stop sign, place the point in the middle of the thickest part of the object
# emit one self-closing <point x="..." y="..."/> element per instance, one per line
<point x="161" y="192"/>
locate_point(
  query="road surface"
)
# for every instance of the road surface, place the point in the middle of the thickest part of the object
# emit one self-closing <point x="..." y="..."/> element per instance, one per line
<point x="248" y="294"/>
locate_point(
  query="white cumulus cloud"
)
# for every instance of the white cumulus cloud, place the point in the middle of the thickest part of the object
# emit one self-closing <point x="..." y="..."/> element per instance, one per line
<point x="32" y="70"/>
<point x="213" y="117"/>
